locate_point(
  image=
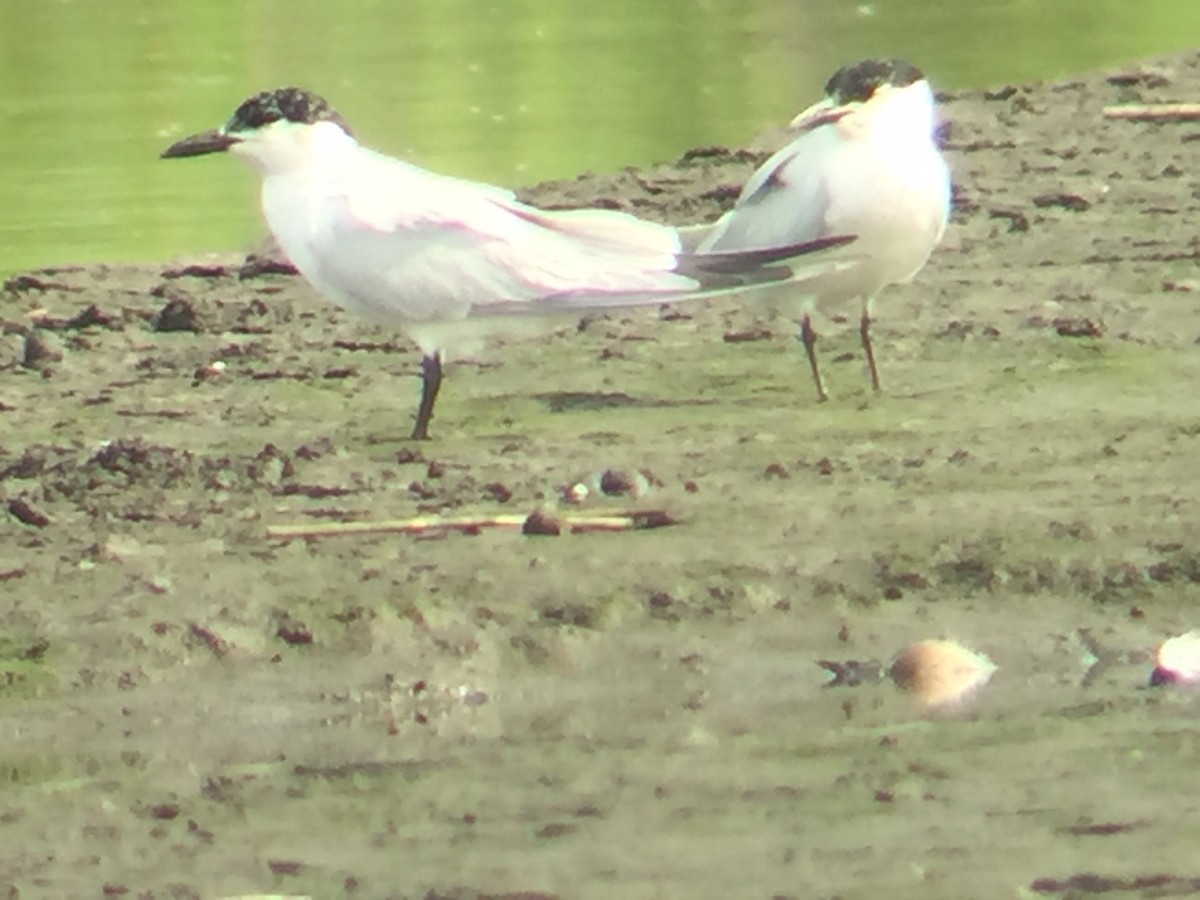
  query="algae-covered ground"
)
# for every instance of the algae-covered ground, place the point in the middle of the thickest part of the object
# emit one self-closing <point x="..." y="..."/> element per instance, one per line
<point x="195" y="708"/>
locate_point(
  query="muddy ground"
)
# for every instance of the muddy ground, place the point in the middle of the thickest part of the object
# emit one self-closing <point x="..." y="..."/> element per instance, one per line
<point x="192" y="708"/>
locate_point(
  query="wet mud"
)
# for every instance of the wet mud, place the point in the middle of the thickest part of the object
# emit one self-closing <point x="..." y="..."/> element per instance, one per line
<point x="194" y="706"/>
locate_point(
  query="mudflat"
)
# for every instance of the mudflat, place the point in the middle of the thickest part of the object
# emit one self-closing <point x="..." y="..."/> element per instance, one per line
<point x="193" y="707"/>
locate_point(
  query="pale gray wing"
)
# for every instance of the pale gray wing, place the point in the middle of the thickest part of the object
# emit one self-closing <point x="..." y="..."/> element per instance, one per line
<point x="785" y="201"/>
<point x="415" y="245"/>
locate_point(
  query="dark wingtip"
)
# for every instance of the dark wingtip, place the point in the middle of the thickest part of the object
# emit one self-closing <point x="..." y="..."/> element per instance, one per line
<point x="736" y="261"/>
<point x="199" y="144"/>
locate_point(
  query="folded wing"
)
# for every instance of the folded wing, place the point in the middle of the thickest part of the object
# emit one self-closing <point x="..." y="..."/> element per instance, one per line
<point x="785" y="201"/>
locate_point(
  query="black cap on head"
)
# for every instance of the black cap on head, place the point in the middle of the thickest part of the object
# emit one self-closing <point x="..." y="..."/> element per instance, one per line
<point x="857" y="82"/>
<point x="291" y="104"/>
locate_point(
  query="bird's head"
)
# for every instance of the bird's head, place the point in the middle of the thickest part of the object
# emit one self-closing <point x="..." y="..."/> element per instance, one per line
<point x="273" y="130"/>
<point x="888" y="93"/>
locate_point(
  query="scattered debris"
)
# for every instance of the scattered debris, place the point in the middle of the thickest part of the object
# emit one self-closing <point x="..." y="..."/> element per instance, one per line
<point x="197" y="270"/>
<point x="1018" y="222"/>
<point x="177" y="315"/>
<point x="24" y="512"/>
<point x="747" y="336"/>
<point x="21" y="283"/>
<point x="1063" y="200"/>
<point x="1079" y="328"/>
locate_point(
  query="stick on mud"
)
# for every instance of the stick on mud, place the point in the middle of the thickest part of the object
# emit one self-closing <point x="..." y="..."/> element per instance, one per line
<point x="630" y="520"/>
<point x="1155" y="112"/>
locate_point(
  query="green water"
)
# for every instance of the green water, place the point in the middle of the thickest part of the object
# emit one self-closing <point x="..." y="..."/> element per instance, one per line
<point x="512" y="92"/>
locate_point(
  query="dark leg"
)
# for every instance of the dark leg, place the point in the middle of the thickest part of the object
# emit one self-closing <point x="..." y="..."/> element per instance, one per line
<point x="864" y="331"/>
<point x="431" y="382"/>
<point x="808" y="337"/>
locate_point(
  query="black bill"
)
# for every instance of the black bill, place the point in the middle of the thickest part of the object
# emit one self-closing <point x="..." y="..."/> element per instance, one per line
<point x="199" y="144"/>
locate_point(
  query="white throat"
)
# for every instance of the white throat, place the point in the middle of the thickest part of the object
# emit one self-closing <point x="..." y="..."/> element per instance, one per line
<point x="284" y="147"/>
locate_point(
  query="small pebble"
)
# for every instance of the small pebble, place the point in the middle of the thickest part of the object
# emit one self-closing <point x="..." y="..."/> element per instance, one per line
<point x="540" y="523"/>
<point x="576" y="493"/>
<point x="616" y="483"/>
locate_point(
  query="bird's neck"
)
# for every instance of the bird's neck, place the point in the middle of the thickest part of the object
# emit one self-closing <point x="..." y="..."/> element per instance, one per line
<point x="289" y="151"/>
<point x="909" y="114"/>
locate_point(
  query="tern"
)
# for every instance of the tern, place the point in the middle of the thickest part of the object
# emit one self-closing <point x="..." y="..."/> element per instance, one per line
<point x="864" y="161"/>
<point x="446" y="260"/>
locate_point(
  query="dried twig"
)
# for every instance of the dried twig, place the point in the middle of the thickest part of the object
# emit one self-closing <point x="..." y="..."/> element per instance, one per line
<point x="534" y="523"/>
<point x="632" y="520"/>
<point x="1155" y="112"/>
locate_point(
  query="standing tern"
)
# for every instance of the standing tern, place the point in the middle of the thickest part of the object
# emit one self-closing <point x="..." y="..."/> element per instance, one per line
<point x="436" y="255"/>
<point x="864" y="162"/>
